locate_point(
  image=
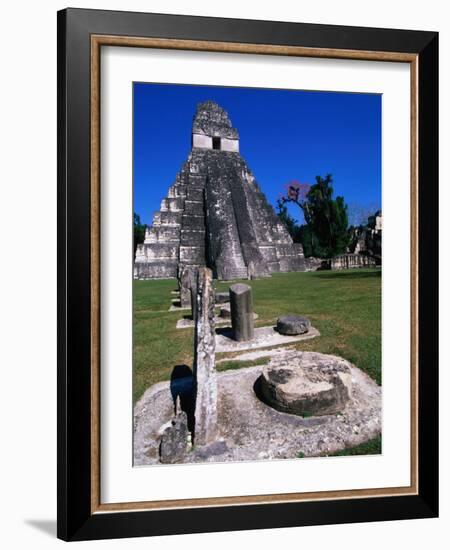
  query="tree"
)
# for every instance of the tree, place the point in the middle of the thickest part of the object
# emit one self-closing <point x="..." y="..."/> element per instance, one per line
<point x="139" y="231"/>
<point x="326" y="218"/>
<point x="288" y="221"/>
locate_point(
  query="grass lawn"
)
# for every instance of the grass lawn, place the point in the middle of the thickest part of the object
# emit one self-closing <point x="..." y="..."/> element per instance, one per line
<point x="345" y="306"/>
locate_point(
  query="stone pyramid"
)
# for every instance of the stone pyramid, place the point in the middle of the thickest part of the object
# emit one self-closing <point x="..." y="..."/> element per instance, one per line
<point x="215" y="214"/>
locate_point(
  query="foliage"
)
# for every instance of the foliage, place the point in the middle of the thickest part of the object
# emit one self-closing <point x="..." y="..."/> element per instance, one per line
<point x="326" y="218"/>
<point x="309" y="241"/>
<point x="139" y="231"/>
<point x="288" y="221"/>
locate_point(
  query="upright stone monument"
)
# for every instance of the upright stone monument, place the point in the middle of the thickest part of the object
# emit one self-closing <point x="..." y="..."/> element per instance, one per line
<point x="215" y="214"/>
<point x="187" y="281"/>
<point x="205" y="382"/>
<point x="241" y="304"/>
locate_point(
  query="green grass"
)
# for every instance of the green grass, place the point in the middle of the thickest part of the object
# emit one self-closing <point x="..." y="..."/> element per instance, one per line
<point x="372" y="447"/>
<point x="233" y="365"/>
<point x="345" y="306"/>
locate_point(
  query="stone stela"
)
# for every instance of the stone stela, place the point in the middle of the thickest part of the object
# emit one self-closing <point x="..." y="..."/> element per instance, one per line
<point x="215" y="214"/>
<point x="205" y="379"/>
<point x="241" y="304"/>
<point x="187" y="283"/>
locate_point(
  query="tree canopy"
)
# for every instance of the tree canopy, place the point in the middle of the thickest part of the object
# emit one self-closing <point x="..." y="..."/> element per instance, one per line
<point x="326" y="231"/>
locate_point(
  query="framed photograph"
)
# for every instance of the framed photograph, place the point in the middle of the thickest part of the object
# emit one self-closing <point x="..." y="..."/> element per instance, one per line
<point x="247" y="252"/>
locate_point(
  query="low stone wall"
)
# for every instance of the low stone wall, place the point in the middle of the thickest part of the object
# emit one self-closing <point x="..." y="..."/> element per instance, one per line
<point x="348" y="261"/>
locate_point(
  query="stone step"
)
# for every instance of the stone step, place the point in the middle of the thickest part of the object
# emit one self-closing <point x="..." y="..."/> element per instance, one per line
<point x="192" y="238"/>
<point x="285" y="250"/>
<point x="157" y="251"/>
<point x="172" y="204"/>
<point x="292" y="263"/>
<point x="236" y="273"/>
<point x="194" y="193"/>
<point x="192" y="254"/>
<point x="196" y="223"/>
<point x="167" y="218"/>
<point x="195" y="208"/>
<point x="156" y="270"/>
<point x="177" y="190"/>
<point x="162" y="234"/>
<point x="269" y="253"/>
<point x="196" y="180"/>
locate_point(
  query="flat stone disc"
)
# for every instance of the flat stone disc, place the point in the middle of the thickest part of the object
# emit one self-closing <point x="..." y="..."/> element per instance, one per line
<point x="292" y="324"/>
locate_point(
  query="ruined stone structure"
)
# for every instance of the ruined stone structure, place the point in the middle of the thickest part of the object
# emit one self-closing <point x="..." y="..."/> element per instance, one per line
<point x="367" y="240"/>
<point x="348" y="261"/>
<point x="215" y="214"/>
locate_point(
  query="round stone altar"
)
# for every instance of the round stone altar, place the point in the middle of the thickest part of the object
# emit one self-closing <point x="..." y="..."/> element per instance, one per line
<point x="291" y="325"/>
<point x="309" y="385"/>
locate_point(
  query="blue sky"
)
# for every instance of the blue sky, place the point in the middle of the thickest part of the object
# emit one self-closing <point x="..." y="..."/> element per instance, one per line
<point x="284" y="135"/>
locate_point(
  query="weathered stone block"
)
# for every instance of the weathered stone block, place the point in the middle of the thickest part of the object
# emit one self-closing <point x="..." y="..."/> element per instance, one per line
<point x="161" y="251"/>
<point x="269" y="253"/>
<point x="187" y="280"/>
<point x="192" y="254"/>
<point x="314" y="385"/>
<point x="293" y="324"/>
<point x="189" y="237"/>
<point x="194" y="208"/>
<point x="194" y="223"/>
<point x="194" y="194"/>
<point x="162" y="234"/>
<point x="204" y="361"/>
<point x="156" y="270"/>
<point x="167" y="218"/>
<point x="172" y="204"/>
<point x="177" y="190"/>
<point x="173" y="444"/>
<point x="241" y="304"/>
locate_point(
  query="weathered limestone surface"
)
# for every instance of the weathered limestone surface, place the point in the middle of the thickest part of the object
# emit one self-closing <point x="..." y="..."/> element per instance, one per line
<point x="173" y="444"/>
<point x="205" y="381"/>
<point x="215" y="214"/>
<point x="311" y="385"/>
<point x="241" y="305"/>
<point x="293" y="324"/>
<point x="187" y="281"/>
<point x="254" y="430"/>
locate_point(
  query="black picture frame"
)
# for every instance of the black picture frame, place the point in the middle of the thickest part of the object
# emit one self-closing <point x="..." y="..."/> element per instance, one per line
<point x="76" y="519"/>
